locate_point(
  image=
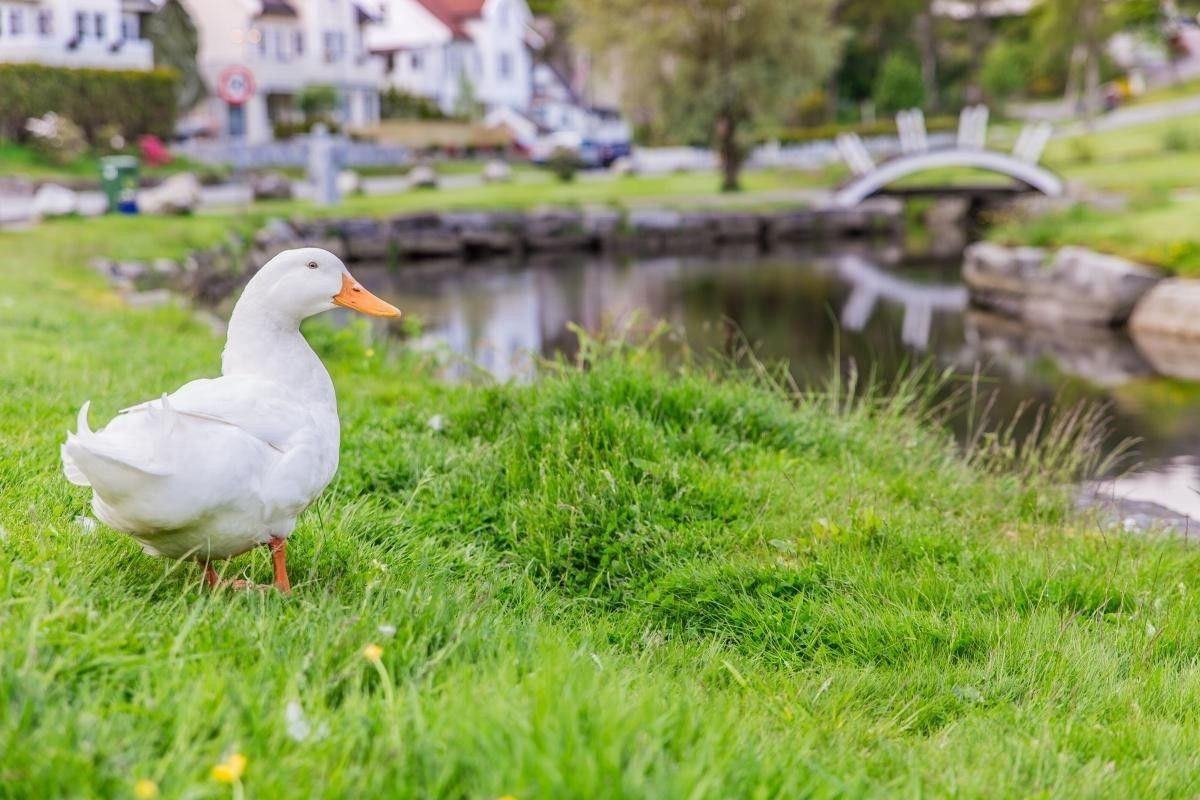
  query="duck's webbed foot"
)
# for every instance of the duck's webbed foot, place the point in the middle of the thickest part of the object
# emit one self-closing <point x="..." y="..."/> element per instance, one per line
<point x="215" y="581"/>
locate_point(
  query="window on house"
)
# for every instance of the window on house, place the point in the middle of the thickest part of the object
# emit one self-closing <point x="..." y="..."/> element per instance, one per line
<point x="99" y="26"/>
<point x="16" y="22"/>
<point x="45" y="22"/>
<point x="282" y="47"/>
<point x="506" y="65"/>
<point x="415" y="61"/>
<point x="130" y="29"/>
<point x="335" y="46"/>
<point x="81" y="25"/>
<point x="298" y="42"/>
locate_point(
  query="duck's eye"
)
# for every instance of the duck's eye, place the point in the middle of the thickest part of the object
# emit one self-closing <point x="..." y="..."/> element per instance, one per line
<point x="313" y="265"/>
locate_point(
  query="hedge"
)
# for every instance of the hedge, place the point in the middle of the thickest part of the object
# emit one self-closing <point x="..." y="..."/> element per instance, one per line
<point x="135" y="101"/>
<point x="883" y="127"/>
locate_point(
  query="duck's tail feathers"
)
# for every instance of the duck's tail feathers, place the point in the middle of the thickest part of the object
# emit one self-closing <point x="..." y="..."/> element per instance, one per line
<point x="89" y="460"/>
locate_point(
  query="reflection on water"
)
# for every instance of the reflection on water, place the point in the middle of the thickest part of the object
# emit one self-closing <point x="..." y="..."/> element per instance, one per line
<point x="809" y="307"/>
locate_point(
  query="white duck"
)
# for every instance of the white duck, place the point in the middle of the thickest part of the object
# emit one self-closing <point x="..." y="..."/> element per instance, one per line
<point x="226" y="464"/>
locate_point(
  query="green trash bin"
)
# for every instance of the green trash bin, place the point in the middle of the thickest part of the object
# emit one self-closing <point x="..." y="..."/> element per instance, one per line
<point x="119" y="176"/>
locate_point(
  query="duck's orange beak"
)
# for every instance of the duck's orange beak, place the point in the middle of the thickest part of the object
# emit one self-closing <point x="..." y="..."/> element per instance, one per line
<point x="354" y="296"/>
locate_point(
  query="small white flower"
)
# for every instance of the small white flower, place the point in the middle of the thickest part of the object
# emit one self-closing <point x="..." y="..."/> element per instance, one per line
<point x="387" y="630"/>
<point x="436" y="423"/>
<point x="86" y="524"/>
<point x="298" y="726"/>
<point x="1150" y="629"/>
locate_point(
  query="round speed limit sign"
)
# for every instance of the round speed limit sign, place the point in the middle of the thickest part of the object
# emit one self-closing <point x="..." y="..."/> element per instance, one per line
<point x="235" y="85"/>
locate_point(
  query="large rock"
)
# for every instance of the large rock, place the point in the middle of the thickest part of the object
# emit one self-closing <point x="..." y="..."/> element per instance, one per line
<point x="556" y="229"/>
<point x="270" y="186"/>
<point x="497" y="171"/>
<point x="422" y="176"/>
<point x="52" y="200"/>
<point x="423" y="236"/>
<point x="483" y="232"/>
<point x="1166" y="327"/>
<point x="349" y="183"/>
<point x="1077" y="286"/>
<point x="178" y="194"/>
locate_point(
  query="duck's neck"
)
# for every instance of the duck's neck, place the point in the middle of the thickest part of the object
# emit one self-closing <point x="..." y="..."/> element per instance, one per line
<point x="264" y="343"/>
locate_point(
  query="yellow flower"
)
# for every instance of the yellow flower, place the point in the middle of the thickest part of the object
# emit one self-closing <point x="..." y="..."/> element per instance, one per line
<point x="507" y="797"/>
<point x="230" y="770"/>
<point x="372" y="653"/>
<point x="145" y="789"/>
<point x="370" y="352"/>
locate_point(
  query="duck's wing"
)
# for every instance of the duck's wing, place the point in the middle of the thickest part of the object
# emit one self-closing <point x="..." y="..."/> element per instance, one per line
<point x="257" y="407"/>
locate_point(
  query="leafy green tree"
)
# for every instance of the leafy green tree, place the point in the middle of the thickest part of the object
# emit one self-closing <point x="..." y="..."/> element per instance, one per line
<point x="712" y="70"/>
<point x="899" y="85"/>
<point x="1005" y="70"/>
<point x="173" y="34"/>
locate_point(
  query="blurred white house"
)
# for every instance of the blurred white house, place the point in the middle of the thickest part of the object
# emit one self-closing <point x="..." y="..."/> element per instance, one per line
<point x="257" y="56"/>
<point x="76" y="33"/>
<point x="445" y="49"/>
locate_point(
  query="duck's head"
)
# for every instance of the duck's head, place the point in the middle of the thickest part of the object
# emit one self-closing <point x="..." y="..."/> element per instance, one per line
<point x="306" y="281"/>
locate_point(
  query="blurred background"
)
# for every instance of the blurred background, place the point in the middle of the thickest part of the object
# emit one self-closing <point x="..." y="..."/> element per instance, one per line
<point x="1006" y="189"/>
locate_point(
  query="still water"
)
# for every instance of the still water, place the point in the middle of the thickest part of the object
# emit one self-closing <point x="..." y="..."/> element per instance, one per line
<point x="865" y="309"/>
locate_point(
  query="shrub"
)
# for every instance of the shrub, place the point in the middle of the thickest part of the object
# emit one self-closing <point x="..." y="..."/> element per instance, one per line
<point x="899" y="85"/>
<point x="564" y="163"/>
<point x="1178" y="140"/>
<point x="57" y="138"/>
<point x="136" y="102"/>
<point x="397" y="104"/>
<point x="317" y="101"/>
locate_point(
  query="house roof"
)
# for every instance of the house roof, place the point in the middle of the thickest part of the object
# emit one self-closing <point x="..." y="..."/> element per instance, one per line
<point x="454" y="13"/>
<point x="277" y="8"/>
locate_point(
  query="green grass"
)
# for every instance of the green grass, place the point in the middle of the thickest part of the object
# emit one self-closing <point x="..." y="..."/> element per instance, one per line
<point x="25" y="162"/>
<point x="1154" y="167"/>
<point x="623" y="581"/>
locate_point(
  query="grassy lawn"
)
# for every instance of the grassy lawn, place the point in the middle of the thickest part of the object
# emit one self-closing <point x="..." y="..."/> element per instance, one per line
<point x="1156" y="167"/>
<point x="622" y="581"/>
<point x="25" y="162"/>
<point x="534" y="188"/>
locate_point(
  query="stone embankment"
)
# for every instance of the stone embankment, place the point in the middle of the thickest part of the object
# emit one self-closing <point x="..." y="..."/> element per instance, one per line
<point x="211" y="275"/>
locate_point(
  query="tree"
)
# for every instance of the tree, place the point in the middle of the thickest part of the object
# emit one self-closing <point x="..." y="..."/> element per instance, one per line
<point x="1005" y="70"/>
<point x="1074" y="32"/>
<point x="171" y="30"/>
<point x="899" y="85"/>
<point x="712" y="70"/>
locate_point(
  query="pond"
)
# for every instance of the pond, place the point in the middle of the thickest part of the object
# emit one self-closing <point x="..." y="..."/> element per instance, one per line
<point x="866" y="309"/>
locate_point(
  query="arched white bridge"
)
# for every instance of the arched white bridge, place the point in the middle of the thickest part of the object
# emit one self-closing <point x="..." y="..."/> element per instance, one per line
<point x="968" y="151"/>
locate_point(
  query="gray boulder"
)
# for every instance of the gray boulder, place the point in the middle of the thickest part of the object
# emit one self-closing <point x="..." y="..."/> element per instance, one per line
<point x="178" y="194"/>
<point x="52" y="200"/>
<point x="1166" y="327"/>
<point x="1077" y="286"/>
<point x="497" y="171"/>
<point x="270" y="186"/>
<point x="422" y="176"/>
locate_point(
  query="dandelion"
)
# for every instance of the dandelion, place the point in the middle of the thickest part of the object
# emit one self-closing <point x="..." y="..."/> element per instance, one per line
<point x="436" y="423"/>
<point x="387" y="630"/>
<point x="370" y="352"/>
<point x="372" y="653"/>
<point x="145" y="789"/>
<point x="230" y="770"/>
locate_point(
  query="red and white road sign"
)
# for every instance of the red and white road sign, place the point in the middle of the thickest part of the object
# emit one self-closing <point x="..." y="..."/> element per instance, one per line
<point x="235" y="85"/>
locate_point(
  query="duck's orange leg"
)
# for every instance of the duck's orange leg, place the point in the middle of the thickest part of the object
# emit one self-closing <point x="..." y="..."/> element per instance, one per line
<point x="279" y="558"/>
